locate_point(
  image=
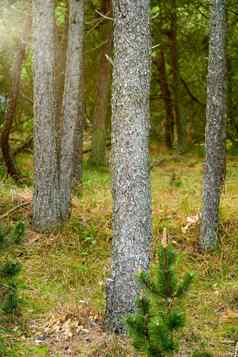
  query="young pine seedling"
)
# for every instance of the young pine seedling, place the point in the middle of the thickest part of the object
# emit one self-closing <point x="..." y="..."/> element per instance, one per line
<point x="159" y="314"/>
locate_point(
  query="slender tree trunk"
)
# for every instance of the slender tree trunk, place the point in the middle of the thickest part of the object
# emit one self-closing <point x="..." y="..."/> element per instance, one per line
<point x="79" y="135"/>
<point x="72" y="104"/>
<point x="232" y="122"/>
<point x="215" y="127"/>
<point x="61" y="50"/>
<point x="159" y="30"/>
<point x="130" y="157"/>
<point x="46" y="197"/>
<point x="10" y="112"/>
<point x="102" y="95"/>
<point x="181" y="138"/>
<point x="79" y="129"/>
<point x="168" y="103"/>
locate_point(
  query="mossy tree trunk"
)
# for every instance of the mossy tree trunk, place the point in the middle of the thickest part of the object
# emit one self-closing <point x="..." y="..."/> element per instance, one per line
<point x="130" y="157"/>
<point x="215" y="127"/>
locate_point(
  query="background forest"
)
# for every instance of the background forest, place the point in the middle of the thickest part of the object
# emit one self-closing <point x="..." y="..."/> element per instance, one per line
<point x="74" y="99"/>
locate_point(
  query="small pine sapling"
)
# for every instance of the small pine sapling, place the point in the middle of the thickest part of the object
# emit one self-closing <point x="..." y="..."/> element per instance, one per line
<point x="158" y="310"/>
<point x="8" y="281"/>
<point x="3" y="350"/>
<point x="2" y="237"/>
<point x="10" y="269"/>
<point x="15" y="236"/>
<point x="18" y="233"/>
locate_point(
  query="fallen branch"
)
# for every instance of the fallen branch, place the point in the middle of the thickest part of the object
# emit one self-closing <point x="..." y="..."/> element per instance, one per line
<point x="14" y="209"/>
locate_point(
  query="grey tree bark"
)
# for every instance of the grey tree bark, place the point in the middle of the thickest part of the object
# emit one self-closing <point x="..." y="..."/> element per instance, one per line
<point x="79" y="129"/>
<point x="215" y="127"/>
<point x="46" y="196"/>
<point x="130" y="130"/>
<point x="61" y="51"/>
<point x="72" y="103"/>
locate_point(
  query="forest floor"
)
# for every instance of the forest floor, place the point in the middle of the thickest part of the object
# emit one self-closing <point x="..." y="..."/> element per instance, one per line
<point x="64" y="274"/>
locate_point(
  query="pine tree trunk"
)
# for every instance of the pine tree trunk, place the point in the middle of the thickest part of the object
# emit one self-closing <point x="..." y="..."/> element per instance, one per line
<point x="10" y="112"/>
<point x="168" y="103"/>
<point x="79" y="135"/>
<point x="180" y="130"/>
<point x="215" y="127"/>
<point x="103" y="87"/>
<point x="130" y="157"/>
<point x="79" y="129"/>
<point x="46" y="196"/>
<point x="159" y="30"/>
<point x="61" y="51"/>
<point x="72" y="114"/>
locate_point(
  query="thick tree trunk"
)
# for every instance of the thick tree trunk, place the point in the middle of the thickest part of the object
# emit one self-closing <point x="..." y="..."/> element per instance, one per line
<point x="215" y="127"/>
<point x="72" y="109"/>
<point x="168" y="103"/>
<point x="10" y="112"/>
<point x="130" y="157"/>
<point x="46" y="197"/>
<point x="103" y="87"/>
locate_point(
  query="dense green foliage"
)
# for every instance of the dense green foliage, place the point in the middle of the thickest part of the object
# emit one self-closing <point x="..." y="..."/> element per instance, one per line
<point x="159" y="313"/>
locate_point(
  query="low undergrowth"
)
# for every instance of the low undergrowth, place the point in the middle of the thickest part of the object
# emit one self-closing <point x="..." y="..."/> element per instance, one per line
<point x="64" y="274"/>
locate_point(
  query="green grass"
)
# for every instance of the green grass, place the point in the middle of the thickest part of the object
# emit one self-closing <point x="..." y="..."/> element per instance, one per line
<point x="65" y="274"/>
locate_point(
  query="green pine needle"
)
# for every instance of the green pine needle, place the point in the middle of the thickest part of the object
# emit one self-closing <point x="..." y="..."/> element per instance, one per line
<point x="158" y="313"/>
<point x="10" y="269"/>
<point x="18" y="233"/>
